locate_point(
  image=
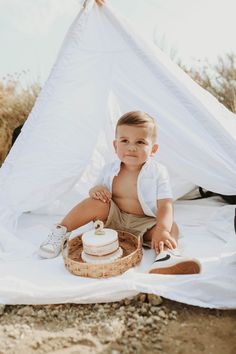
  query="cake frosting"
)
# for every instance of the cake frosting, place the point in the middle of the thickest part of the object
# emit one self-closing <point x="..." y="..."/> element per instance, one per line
<point x="100" y="245"/>
<point x="102" y="259"/>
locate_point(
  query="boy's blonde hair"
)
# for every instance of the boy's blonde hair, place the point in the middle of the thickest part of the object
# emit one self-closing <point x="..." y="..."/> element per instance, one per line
<point x="138" y="118"/>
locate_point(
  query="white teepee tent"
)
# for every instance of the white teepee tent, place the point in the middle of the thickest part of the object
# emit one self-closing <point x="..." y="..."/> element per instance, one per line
<point x="103" y="70"/>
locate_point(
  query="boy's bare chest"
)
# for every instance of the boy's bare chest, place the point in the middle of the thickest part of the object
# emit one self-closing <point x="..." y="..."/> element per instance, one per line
<point x="125" y="185"/>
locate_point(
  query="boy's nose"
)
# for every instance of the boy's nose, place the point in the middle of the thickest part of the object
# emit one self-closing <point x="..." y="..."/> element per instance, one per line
<point x="132" y="147"/>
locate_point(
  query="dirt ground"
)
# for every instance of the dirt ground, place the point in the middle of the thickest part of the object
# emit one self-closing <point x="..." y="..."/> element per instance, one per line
<point x="199" y="330"/>
<point x="140" y="325"/>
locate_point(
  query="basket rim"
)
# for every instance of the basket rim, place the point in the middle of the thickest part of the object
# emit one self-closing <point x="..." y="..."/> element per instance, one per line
<point x="122" y="259"/>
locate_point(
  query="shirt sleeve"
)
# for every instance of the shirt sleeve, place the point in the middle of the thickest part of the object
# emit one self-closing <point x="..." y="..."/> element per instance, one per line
<point x="163" y="184"/>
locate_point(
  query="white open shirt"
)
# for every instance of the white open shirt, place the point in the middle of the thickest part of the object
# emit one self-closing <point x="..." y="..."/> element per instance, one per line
<point x="153" y="183"/>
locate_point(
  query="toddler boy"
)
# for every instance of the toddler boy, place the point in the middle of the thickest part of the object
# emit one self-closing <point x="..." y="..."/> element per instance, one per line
<point x="132" y="194"/>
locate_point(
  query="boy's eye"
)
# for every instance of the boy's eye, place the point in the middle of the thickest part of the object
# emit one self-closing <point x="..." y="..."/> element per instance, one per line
<point x="141" y="142"/>
<point x="124" y="140"/>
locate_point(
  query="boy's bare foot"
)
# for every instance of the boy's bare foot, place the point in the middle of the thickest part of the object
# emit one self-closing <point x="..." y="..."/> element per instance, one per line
<point x="171" y="262"/>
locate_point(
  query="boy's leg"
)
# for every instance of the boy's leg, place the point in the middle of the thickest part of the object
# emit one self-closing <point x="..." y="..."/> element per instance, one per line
<point x="84" y="212"/>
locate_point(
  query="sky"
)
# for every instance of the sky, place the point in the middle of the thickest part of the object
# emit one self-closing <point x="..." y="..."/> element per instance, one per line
<point x="31" y="31"/>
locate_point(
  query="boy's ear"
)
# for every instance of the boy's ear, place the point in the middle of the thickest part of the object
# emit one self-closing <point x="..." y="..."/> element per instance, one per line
<point x="115" y="144"/>
<point x="155" y="147"/>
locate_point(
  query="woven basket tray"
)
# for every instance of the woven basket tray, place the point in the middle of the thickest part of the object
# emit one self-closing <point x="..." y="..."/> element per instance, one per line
<point x="132" y="255"/>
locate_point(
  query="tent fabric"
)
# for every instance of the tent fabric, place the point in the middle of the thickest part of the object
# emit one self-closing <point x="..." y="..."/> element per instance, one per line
<point x="206" y="233"/>
<point x="104" y="69"/>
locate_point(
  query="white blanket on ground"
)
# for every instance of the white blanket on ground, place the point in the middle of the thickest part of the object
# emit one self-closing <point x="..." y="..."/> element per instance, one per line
<point x="207" y="232"/>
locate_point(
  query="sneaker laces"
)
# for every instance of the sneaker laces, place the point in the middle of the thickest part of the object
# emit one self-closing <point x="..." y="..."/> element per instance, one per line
<point x="175" y="252"/>
<point x="54" y="238"/>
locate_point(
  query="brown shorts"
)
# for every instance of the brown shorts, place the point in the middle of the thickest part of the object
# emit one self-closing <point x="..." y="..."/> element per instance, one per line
<point x="135" y="224"/>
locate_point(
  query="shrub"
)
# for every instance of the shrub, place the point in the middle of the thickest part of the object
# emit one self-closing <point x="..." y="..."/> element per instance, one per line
<point x="218" y="79"/>
<point x="16" y="102"/>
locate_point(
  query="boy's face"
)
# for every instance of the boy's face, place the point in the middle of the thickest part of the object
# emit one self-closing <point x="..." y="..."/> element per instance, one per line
<point x="134" y="143"/>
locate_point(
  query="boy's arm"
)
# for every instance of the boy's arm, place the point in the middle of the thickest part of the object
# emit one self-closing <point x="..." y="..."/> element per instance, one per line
<point x="165" y="214"/>
<point x="162" y="236"/>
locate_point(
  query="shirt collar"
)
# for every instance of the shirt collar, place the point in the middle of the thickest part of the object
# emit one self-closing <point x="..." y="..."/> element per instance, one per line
<point x="117" y="164"/>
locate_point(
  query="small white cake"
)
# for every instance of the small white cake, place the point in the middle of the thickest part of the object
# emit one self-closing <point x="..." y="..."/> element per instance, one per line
<point x="100" y="246"/>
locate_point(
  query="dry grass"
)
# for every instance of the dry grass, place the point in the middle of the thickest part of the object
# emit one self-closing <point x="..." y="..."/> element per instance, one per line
<point x="17" y="101"/>
<point x="218" y="79"/>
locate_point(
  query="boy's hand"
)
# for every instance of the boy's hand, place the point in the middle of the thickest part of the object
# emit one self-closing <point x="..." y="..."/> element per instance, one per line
<point x="161" y="239"/>
<point x="100" y="193"/>
<point x="100" y="2"/>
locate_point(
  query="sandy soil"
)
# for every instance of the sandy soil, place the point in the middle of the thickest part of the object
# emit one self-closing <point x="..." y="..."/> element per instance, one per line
<point x="141" y="325"/>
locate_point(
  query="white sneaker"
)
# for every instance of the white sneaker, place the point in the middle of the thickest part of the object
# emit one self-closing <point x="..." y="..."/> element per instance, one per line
<point x="172" y="262"/>
<point x="51" y="247"/>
